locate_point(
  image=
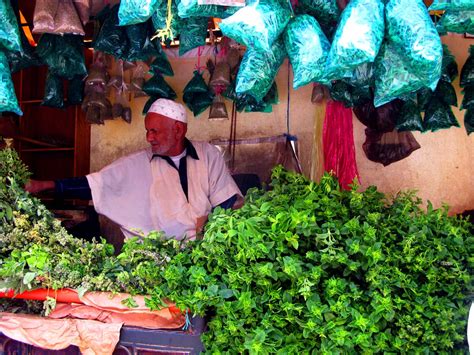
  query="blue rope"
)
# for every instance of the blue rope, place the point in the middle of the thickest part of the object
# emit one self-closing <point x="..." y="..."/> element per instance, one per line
<point x="187" y="323"/>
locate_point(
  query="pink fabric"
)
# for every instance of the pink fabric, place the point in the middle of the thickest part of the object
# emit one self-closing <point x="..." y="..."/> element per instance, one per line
<point x="338" y="143"/>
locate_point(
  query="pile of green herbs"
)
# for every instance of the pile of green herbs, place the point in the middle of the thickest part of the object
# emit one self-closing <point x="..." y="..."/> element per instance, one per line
<point x="302" y="267"/>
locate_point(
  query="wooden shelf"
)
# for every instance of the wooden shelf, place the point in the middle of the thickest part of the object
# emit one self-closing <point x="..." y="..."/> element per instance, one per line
<point x="34" y="150"/>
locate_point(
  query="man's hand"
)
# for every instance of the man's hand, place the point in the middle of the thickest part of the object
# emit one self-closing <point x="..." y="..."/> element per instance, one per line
<point x="36" y="186"/>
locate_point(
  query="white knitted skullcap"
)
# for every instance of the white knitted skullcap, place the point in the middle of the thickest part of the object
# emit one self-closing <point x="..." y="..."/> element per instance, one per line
<point x="170" y="109"/>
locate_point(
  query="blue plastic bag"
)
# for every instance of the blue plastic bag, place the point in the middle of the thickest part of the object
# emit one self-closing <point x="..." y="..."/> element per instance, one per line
<point x="307" y="48"/>
<point x="8" y="100"/>
<point x="9" y="32"/>
<point x="191" y="8"/>
<point x="132" y="12"/>
<point x="457" y="5"/>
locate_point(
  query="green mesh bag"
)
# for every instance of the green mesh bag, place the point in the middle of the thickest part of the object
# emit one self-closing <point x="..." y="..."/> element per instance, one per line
<point x="457" y="5"/>
<point x="257" y="25"/>
<point x="457" y="21"/>
<point x="193" y="34"/>
<point x="411" y="30"/>
<point x="307" y="48"/>
<point x="157" y="86"/>
<point x="9" y="31"/>
<point x="132" y="12"/>
<point x="449" y="70"/>
<point x="469" y="121"/>
<point x="258" y="70"/>
<point x="468" y="99"/>
<point x="196" y="94"/>
<point x="161" y="65"/>
<point x="326" y="13"/>
<point x="112" y="39"/>
<point x="24" y="59"/>
<point x="409" y="118"/>
<point x="191" y="8"/>
<point x="358" y="37"/>
<point x="467" y="71"/>
<point x="8" y="100"/>
<point x="53" y="91"/>
<point x="438" y="115"/>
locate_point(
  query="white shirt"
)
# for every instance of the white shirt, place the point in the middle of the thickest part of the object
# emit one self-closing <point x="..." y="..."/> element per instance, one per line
<point x="142" y="194"/>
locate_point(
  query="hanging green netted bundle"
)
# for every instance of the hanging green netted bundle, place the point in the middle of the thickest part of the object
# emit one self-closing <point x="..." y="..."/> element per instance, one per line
<point x="449" y="70"/>
<point x="438" y="115"/>
<point x="358" y="37"/>
<point x="8" y="100"/>
<point x="411" y="30"/>
<point x="257" y="25"/>
<point x="456" y="5"/>
<point x="132" y="12"/>
<point x="469" y="121"/>
<point x="24" y="59"/>
<point x="468" y="99"/>
<point x="53" y="91"/>
<point x="196" y="94"/>
<point x="326" y="13"/>
<point x="191" y="8"/>
<point x="64" y="54"/>
<point x="409" y="118"/>
<point x="9" y="31"/>
<point x="193" y="34"/>
<point x="258" y="70"/>
<point x="157" y="86"/>
<point x="140" y="46"/>
<point x="457" y="21"/>
<point x="112" y="38"/>
<point x="161" y="65"/>
<point x="467" y="71"/>
<point x="307" y="48"/>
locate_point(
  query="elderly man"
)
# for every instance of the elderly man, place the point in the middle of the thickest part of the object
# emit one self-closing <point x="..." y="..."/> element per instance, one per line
<point x="171" y="186"/>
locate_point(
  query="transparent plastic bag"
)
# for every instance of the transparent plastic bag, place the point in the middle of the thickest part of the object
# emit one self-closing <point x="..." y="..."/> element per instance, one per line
<point x="67" y="19"/>
<point x="83" y="8"/>
<point x="8" y="100"/>
<point x="43" y="18"/>
<point x="138" y="80"/>
<point x="257" y="25"/>
<point x="326" y="13"/>
<point x="53" y="91"/>
<point x="193" y="34"/>
<point x="116" y="75"/>
<point x="196" y="94"/>
<point x="458" y="21"/>
<point x="132" y="12"/>
<point x="218" y="109"/>
<point x="457" y="5"/>
<point x="319" y="93"/>
<point x="467" y="71"/>
<point x="358" y="37"/>
<point x="438" y="115"/>
<point x="9" y="31"/>
<point x="157" y="86"/>
<point x="220" y="78"/>
<point x="381" y="119"/>
<point x="469" y="121"/>
<point x="258" y="70"/>
<point x="307" y="48"/>
<point x="191" y="8"/>
<point x="409" y="118"/>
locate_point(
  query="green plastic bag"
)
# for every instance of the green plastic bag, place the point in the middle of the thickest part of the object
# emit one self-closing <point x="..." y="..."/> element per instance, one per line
<point x="307" y="48"/>
<point x="438" y="115"/>
<point x="148" y="104"/>
<point x="467" y="71"/>
<point x="161" y="65"/>
<point x="341" y="91"/>
<point x="140" y="46"/>
<point x="24" y="59"/>
<point x="258" y="70"/>
<point x="157" y="86"/>
<point x="53" y="91"/>
<point x="9" y="31"/>
<point x="112" y="39"/>
<point x="257" y="25"/>
<point x="468" y="99"/>
<point x="457" y="5"/>
<point x="411" y="30"/>
<point x="8" y="100"/>
<point x="358" y="37"/>
<point x="265" y="106"/>
<point x="361" y="83"/>
<point x="132" y="12"/>
<point x="75" y="91"/>
<point x="449" y="70"/>
<point x="196" y="94"/>
<point x="159" y="21"/>
<point x="193" y="34"/>
<point x="326" y="13"/>
<point x="457" y="21"/>
<point x="409" y="118"/>
<point x="191" y="8"/>
<point x="469" y="121"/>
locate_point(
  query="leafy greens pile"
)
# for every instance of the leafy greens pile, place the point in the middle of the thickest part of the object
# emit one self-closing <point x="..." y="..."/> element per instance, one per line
<point x="302" y="267"/>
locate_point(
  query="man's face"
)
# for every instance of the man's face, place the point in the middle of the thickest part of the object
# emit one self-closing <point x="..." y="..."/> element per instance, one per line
<point x="163" y="134"/>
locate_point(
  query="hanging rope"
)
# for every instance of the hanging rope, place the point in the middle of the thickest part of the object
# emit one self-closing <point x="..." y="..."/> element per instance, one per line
<point x="288" y="102"/>
<point x="198" y="67"/>
<point x="166" y="32"/>
<point x="233" y="137"/>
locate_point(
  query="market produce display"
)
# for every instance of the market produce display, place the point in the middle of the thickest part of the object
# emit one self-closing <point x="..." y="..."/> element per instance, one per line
<point x="301" y="267"/>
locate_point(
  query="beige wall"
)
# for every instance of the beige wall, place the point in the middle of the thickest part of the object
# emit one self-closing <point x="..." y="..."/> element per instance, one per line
<point x="441" y="170"/>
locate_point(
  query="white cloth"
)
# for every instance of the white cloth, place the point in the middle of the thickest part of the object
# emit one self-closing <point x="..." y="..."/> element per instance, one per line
<point x="470" y="329"/>
<point x="170" y="109"/>
<point x="138" y="194"/>
<point x="176" y="159"/>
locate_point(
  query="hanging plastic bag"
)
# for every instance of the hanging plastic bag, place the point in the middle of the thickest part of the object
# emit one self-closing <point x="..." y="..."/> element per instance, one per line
<point x="43" y="18"/>
<point x="457" y="5"/>
<point x="8" y="100"/>
<point x="467" y="71"/>
<point x="265" y="106"/>
<point x="338" y="144"/>
<point x="390" y="147"/>
<point x="53" y="92"/>
<point x="307" y="48"/>
<point x="191" y="8"/>
<point x="161" y="65"/>
<point x="358" y="37"/>
<point x="257" y="25"/>
<point x="67" y="20"/>
<point x="9" y="32"/>
<point x="24" y="59"/>
<point x="157" y="86"/>
<point x="83" y="8"/>
<point x="112" y="38"/>
<point x="449" y="70"/>
<point x="326" y="13"/>
<point x="75" y="91"/>
<point x="218" y="109"/>
<point x="411" y="30"/>
<point x="341" y="91"/>
<point x="116" y="75"/>
<point x="319" y="93"/>
<point x="469" y="121"/>
<point x="167" y="32"/>
<point x="193" y="34"/>
<point x="140" y="46"/>
<point x="438" y="115"/>
<point x="468" y="99"/>
<point x="196" y="94"/>
<point x="409" y="118"/>
<point x="258" y="70"/>
<point x="381" y="119"/>
<point x="148" y="104"/>
<point x="132" y="12"/>
<point x="138" y="80"/>
<point x="458" y="21"/>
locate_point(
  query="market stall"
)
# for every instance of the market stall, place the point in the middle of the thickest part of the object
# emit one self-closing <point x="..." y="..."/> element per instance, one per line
<point x="309" y="103"/>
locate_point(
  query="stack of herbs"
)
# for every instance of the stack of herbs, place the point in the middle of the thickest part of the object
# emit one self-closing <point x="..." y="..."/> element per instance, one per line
<point x="303" y="267"/>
